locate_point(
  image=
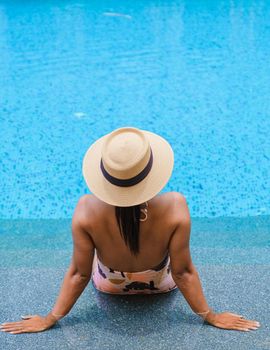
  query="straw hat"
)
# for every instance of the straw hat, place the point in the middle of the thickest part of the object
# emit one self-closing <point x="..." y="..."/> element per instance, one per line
<point x="127" y="166"/>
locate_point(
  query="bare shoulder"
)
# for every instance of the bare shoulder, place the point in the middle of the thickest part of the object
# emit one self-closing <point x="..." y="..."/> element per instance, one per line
<point x="84" y="210"/>
<point x="178" y="196"/>
<point x="179" y="207"/>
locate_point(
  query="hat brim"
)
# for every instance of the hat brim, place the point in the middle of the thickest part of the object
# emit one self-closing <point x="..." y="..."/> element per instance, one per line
<point x="152" y="184"/>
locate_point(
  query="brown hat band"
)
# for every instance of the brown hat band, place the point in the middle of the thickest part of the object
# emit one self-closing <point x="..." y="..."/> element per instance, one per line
<point x="133" y="180"/>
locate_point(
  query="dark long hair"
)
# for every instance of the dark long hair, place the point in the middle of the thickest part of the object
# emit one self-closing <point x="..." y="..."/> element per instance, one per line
<point x="128" y="219"/>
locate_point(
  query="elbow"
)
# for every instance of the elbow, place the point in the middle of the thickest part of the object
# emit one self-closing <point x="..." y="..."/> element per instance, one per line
<point x="185" y="276"/>
<point x="80" y="279"/>
<point x="78" y="276"/>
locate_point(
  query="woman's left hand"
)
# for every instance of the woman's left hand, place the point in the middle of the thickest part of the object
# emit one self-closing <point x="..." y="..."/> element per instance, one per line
<point x="29" y="324"/>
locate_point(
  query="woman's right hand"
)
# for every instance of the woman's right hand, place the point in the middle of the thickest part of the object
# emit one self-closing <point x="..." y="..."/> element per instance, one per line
<point x="229" y="320"/>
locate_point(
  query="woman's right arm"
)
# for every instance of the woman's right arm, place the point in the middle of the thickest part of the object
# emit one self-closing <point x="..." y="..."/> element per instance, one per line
<point x="187" y="278"/>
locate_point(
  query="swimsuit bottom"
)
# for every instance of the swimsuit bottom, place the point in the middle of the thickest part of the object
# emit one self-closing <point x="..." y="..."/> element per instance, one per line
<point x="152" y="281"/>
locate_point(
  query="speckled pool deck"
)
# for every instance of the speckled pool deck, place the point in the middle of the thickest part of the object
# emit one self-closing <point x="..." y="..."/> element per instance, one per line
<point x="36" y="253"/>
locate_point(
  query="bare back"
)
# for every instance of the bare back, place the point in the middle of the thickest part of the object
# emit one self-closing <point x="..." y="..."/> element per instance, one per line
<point x="155" y="233"/>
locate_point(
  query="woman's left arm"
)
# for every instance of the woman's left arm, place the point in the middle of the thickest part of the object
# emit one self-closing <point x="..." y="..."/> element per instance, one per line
<point x="76" y="279"/>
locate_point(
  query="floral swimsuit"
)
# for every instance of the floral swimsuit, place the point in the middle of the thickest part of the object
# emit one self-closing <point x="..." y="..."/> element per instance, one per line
<point x="152" y="281"/>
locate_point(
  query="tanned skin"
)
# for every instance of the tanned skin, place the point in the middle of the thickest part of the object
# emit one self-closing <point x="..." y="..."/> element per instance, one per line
<point x="95" y="230"/>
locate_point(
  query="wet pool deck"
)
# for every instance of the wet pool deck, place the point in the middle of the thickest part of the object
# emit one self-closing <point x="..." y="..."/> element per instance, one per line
<point x="231" y="256"/>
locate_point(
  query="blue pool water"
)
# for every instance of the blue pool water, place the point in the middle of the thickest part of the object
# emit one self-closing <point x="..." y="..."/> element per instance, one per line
<point x="195" y="72"/>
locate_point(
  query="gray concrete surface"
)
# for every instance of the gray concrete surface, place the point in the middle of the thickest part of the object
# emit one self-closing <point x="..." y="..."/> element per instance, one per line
<point x="234" y="278"/>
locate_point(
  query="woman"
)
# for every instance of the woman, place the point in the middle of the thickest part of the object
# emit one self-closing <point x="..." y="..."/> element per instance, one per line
<point x="128" y="238"/>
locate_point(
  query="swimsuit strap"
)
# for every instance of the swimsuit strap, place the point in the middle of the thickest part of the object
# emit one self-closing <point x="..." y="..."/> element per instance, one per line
<point x="158" y="267"/>
<point x="162" y="264"/>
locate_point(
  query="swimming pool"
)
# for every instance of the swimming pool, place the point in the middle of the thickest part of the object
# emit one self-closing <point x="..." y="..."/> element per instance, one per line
<point x="195" y="72"/>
